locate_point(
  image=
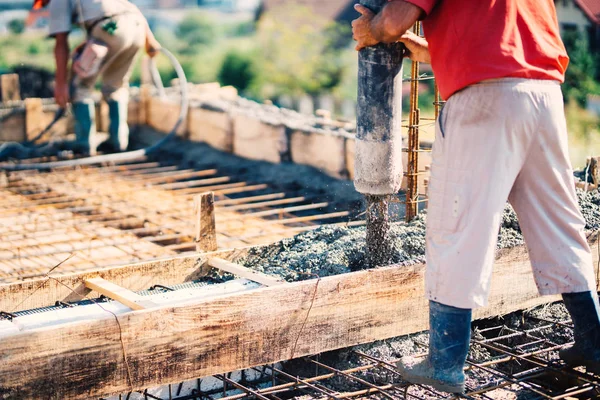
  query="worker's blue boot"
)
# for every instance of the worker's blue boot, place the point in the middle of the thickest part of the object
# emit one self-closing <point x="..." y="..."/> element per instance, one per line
<point x="85" y="127"/>
<point x="118" y="129"/>
<point x="585" y="313"/>
<point x="449" y="335"/>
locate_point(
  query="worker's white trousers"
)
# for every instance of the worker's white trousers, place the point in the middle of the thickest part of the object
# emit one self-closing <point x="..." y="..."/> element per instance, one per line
<point x="123" y="47"/>
<point x="497" y="140"/>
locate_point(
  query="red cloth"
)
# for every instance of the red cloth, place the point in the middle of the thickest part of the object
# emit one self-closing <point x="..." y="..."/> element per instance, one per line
<point x="471" y="41"/>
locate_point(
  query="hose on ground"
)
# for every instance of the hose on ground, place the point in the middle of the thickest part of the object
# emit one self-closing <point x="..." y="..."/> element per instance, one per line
<point x="29" y="149"/>
<point x="126" y="156"/>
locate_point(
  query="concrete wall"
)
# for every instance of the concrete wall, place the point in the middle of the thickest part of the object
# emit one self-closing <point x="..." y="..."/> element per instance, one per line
<point x="263" y="132"/>
<point x="259" y="140"/>
<point x="325" y="151"/>
<point x="212" y="127"/>
<point x="218" y="117"/>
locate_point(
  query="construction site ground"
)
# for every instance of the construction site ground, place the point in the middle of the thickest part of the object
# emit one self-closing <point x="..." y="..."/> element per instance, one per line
<point x="86" y="218"/>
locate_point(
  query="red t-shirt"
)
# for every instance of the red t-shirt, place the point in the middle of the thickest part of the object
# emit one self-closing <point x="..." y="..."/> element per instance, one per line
<point x="471" y="41"/>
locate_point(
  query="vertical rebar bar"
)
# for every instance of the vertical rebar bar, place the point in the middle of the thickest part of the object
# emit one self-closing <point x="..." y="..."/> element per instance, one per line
<point x="412" y="170"/>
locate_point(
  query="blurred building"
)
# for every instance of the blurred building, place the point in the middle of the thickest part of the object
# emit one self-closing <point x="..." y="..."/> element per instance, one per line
<point x="582" y="16"/>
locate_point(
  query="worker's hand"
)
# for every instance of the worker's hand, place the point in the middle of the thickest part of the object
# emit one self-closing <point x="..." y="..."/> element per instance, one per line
<point x="361" y="28"/>
<point x="417" y="48"/>
<point x="61" y="94"/>
<point x="152" y="46"/>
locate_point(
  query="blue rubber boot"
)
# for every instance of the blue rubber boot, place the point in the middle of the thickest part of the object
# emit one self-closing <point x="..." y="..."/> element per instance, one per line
<point x="449" y="336"/>
<point x="585" y="313"/>
<point x="118" y="129"/>
<point x="85" y="127"/>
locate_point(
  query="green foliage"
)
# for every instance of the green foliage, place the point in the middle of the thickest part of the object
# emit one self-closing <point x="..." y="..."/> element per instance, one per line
<point x="579" y="78"/>
<point x="298" y="54"/>
<point x="238" y="69"/>
<point x="34" y="49"/>
<point x="197" y="29"/>
<point x="239" y="29"/>
<point x="16" y="26"/>
<point x="584" y="133"/>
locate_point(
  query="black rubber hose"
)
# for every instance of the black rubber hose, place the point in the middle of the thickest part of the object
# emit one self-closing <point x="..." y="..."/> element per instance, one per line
<point x="127" y="156"/>
<point x="21" y="151"/>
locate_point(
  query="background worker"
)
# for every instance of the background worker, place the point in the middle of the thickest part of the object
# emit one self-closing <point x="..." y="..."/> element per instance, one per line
<point x="501" y="135"/>
<point x="122" y="29"/>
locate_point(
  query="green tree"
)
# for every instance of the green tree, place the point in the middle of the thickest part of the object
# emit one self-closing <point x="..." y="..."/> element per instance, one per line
<point x="299" y="54"/>
<point x="238" y="70"/>
<point x="579" y="78"/>
<point x="16" y="26"/>
<point x="197" y="29"/>
<point x="34" y="48"/>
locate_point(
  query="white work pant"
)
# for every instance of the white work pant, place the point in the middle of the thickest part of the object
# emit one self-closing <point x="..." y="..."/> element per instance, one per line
<point x="123" y="47"/>
<point x="497" y="140"/>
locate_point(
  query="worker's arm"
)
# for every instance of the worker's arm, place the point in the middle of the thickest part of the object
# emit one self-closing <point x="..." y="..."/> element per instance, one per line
<point x="61" y="55"/>
<point x="152" y="45"/>
<point x="388" y="26"/>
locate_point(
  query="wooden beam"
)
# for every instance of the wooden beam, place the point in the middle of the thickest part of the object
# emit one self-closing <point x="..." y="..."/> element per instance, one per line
<point x="85" y="359"/>
<point x="206" y="232"/>
<point x="244" y="272"/>
<point x="9" y="88"/>
<point x="120" y="294"/>
<point x="44" y="291"/>
<point x="34" y="117"/>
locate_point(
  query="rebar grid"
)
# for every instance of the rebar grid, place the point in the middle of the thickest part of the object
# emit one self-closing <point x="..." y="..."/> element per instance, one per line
<point x="108" y="214"/>
<point x="504" y="363"/>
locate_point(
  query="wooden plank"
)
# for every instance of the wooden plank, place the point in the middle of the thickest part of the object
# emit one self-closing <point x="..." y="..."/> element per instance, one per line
<point x="120" y="294"/>
<point x="9" y="88"/>
<point x="34" y="117"/>
<point x="86" y="359"/>
<point x="244" y="272"/>
<point x="43" y="292"/>
<point x="206" y="231"/>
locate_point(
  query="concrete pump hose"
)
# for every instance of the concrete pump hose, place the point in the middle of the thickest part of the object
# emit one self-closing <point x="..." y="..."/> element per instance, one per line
<point x="126" y="156"/>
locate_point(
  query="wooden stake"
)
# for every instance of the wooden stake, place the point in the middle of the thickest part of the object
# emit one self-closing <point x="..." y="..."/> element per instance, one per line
<point x="34" y="117"/>
<point x="206" y="233"/>
<point x="9" y="88"/>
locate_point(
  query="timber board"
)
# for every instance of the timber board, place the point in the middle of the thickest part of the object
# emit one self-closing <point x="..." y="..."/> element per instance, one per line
<point x="217" y="335"/>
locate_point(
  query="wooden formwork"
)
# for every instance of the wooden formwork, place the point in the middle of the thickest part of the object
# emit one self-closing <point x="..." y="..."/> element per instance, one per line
<point x="167" y="344"/>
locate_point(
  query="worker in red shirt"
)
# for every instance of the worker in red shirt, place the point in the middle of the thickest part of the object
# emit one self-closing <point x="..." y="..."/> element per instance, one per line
<point x="501" y="135"/>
